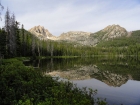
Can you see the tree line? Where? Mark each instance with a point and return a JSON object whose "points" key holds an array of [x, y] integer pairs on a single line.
{"points": [[15, 41]]}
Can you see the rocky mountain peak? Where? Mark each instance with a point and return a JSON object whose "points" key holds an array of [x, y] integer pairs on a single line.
{"points": [[39, 29], [41, 32], [113, 31]]}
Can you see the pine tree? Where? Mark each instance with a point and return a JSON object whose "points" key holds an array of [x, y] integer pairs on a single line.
{"points": [[38, 48], [18, 44], [7, 29], [13, 36], [23, 40], [33, 47], [28, 47]]}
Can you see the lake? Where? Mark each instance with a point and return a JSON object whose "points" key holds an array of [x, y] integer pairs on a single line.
{"points": [[116, 79]]}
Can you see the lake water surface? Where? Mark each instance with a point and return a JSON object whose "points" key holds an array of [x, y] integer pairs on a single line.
{"points": [[116, 79]]}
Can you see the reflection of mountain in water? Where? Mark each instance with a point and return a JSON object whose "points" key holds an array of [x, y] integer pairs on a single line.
{"points": [[92, 71], [111, 79], [79, 74]]}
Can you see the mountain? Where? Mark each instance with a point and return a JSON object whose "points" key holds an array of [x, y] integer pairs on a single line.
{"points": [[92, 39], [41, 33], [110, 32], [82, 38]]}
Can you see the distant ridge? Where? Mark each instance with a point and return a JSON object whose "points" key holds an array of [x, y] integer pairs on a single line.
{"points": [[81, 37]]}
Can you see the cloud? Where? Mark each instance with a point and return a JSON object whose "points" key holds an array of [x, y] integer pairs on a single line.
{"points": [[60, 16]]}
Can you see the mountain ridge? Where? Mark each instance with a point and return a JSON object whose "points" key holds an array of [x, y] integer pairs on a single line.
{"points": [[81, 37]]}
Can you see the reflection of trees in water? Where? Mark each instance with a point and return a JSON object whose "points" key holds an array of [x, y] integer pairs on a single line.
{"points": [[119, 66]]}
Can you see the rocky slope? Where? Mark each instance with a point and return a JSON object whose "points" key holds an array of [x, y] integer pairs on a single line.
{"points": [[42, 33], [113, 31], [75, 36], [110, 32]]}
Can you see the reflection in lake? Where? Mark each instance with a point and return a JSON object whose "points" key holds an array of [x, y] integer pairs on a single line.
{"points": [[116, 79], [87, 72]]}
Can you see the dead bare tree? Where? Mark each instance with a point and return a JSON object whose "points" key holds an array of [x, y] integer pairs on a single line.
{"points": [[1, 8]]}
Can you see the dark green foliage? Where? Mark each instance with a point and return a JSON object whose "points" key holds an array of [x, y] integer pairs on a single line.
{"points": [[2, 43]]}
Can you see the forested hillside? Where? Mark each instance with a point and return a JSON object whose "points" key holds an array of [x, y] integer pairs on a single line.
{"points": [[122, 41]]}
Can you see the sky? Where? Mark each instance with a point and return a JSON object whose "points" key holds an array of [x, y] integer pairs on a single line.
{"points": [[60, 16]]}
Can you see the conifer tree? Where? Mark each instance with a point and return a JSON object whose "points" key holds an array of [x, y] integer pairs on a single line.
{"points": [[28, 47], [18, 44], [13, 36], [33, 47], [23, 40], [7, 29]]}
